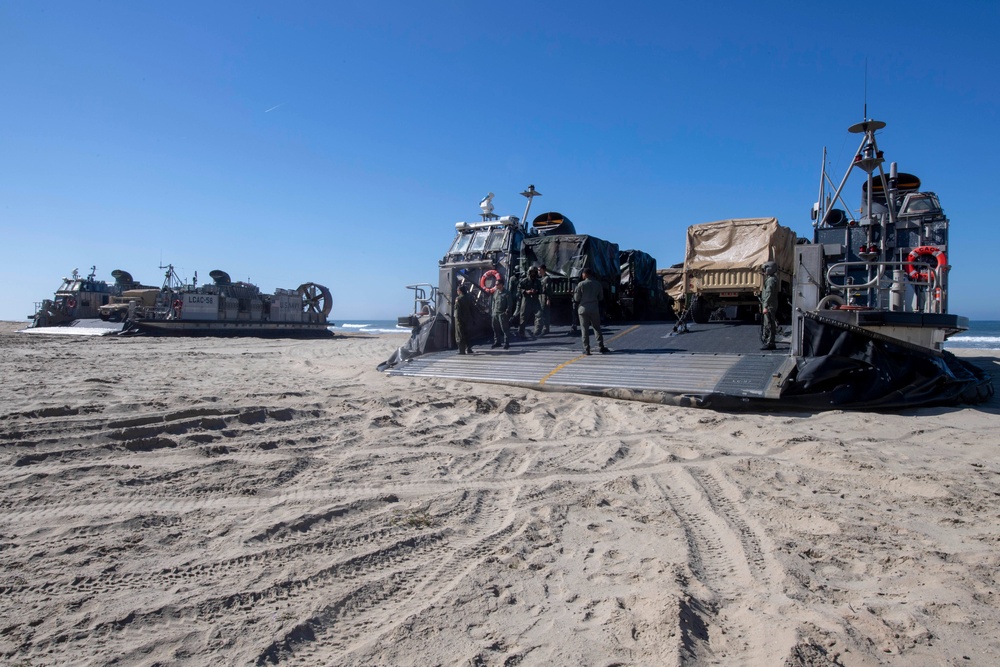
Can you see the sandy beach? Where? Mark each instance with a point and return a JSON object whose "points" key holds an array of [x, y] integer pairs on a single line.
{"points": [[248, 501]]}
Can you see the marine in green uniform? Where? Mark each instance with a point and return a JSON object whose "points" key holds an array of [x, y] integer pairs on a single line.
{"points": [[464, 312], [530, 288], [501, 315], [769, 304], [587, 298], [545, 298]]}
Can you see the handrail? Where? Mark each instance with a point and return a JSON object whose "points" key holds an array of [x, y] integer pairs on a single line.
{"points": [[424, 304], [932, 271], [934, 283]]}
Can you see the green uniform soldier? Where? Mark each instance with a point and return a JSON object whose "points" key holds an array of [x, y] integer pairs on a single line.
{"points": [[769, 304], [464, 313], [530, 288], [545, 298], [501, 315], [587, 298]]}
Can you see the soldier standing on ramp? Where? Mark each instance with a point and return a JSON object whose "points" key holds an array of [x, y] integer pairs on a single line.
{"points": [[463, 319], [587, 298], [501, 315], [545, 298], [530, 288], [769, 304]]}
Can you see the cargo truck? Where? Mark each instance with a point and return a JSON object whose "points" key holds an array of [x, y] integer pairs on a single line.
{"points": [[722, 267]]}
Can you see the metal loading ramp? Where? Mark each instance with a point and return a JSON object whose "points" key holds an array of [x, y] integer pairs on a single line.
{"points": [[647, 364]]}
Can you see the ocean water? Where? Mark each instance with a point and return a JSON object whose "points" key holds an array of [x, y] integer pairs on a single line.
{"points": [[369, 327], [982, 335]]}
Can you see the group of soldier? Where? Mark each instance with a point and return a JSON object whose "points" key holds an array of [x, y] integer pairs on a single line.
{"points": [[531, 303]]}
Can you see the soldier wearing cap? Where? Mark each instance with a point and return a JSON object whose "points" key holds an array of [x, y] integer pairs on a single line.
{"points": [[530, 288], [545, 298], [769, 304], [464, 314], [500, 311], [587, 298]]}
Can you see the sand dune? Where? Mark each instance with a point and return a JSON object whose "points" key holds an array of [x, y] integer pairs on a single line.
{"points": [[244, 501]]}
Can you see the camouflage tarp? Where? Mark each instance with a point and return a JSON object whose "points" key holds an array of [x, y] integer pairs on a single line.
{"points": [[673, 281], [567, 255], [741, 243], [639, 269]]}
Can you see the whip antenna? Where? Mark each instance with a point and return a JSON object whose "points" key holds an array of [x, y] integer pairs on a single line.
{"points": [[866, 89]]}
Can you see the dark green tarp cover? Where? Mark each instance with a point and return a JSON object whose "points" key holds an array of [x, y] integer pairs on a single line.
{"points": [[639, 269], [567, 255]]}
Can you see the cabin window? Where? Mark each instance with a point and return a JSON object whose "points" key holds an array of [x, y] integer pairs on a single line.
{"points": [[479, 240], [461, 243], [921, 204], [496, 240]]}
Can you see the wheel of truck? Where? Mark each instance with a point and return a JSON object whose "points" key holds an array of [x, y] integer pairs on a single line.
{"points": [[746, 313], [784, 308], [699, 310]]}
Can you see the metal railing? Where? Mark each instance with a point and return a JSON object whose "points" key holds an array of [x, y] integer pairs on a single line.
{"points": [[425, 299], [883, 285]]}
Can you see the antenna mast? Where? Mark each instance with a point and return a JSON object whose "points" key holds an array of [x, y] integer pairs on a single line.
{"points": [[529, 193]]}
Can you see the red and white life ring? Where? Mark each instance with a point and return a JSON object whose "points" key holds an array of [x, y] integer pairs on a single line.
{"points": [[71, 302], [491, 287], [920, 254]]}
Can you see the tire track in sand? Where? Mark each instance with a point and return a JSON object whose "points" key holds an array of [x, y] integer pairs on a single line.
{"points": [[731, 572], [367, 613]]}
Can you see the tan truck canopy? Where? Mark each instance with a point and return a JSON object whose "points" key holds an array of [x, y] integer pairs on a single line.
{"points": [[673, 281], [739, 243]]}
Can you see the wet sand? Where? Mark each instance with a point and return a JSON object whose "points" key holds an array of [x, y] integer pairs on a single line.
{"points": [[248, 501]]}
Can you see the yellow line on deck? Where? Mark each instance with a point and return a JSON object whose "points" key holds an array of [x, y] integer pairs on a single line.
{"points": [[622, 333], [577, 358], [559, 368]]}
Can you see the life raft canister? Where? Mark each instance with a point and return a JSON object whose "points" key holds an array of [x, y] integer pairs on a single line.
{"points": [[919, 254], [489, 281]]}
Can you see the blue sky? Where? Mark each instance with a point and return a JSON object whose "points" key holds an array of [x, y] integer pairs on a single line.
{"points": [[339, 142]]}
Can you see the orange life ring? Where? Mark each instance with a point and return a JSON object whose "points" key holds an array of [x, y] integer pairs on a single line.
{"points": [[71, 302], [492, 287], [924, 251]]}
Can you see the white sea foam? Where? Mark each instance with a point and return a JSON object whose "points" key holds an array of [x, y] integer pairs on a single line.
{"points": [[378, 327], [976, 339]]}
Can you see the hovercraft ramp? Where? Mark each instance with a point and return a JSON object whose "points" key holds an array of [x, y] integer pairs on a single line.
{"points": [[87, 327], [648, 362]]}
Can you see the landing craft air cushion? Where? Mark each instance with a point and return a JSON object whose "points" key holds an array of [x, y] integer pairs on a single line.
{"points": [[868, 315], [222, 308]]}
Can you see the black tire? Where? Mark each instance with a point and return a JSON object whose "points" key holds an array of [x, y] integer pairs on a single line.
{"points": [[784, 309], [700, 311]]}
